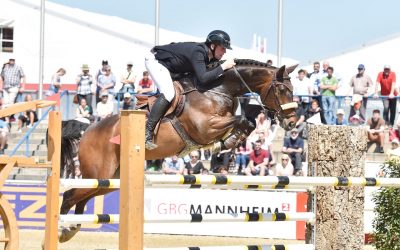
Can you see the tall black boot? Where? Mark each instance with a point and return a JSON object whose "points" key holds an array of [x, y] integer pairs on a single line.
{"points": [[159, 109]]}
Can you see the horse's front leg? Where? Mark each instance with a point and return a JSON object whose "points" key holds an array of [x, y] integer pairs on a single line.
{"points": [[242, 129]]}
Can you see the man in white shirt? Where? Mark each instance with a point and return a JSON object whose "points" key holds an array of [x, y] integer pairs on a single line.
{"points": [[104, 107], [303, 87]]}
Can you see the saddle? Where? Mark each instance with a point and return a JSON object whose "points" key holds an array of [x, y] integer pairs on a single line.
{"points": [[181, 87]]}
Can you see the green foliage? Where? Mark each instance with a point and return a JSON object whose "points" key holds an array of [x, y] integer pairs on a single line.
{"points": [[387, 210]]}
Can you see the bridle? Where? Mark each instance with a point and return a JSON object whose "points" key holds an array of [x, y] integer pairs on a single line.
{"points": [[280, 114]]}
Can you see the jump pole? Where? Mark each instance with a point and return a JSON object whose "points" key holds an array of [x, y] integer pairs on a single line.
{"points": [[53, 181], [132, 184]]}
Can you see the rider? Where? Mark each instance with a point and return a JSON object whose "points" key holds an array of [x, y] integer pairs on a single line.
{"points": [[186, 57]]}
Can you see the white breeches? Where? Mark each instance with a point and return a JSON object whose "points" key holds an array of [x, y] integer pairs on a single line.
{"points": [[161, 77]]}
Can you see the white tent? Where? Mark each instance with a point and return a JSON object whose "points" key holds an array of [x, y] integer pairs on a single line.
{"points": [[74, 37]]}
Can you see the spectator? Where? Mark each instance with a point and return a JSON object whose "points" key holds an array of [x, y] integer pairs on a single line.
{"points": [[84, 110], [100, 72], [376, 127], [394, 151], [106, 82], [13, 82], [128, 103], [285, 167], [303, 87], [266, 144], [205, 171], [29, 118], [194, 166], [55, 84], [269, 63], [259, 159], [362, 85], [387, 81], [104, 107], [294, 147], [355, 120], [223, 171], [262, 124], [356, 104], [84, 82], [128, 79], [315, 112], [315, 78], [146, 85], [173, 165], [395, 133], [220, 159], [242, 153], [329, 85], [340, 120], [300, 115], [4, 132]]}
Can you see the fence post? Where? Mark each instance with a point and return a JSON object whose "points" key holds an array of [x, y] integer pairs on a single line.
{"points": [[132, 180]]}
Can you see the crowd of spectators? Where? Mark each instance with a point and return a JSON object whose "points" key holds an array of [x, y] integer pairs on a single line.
{"points": [[315, 92]]}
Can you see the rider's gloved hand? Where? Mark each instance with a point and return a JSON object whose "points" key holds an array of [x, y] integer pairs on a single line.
{"points": [[229, 63]]}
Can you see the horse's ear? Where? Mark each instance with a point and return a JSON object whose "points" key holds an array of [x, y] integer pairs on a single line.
{"points": [[281, 71], [291, 68]]}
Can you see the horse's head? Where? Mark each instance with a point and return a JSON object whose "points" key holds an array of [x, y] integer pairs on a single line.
{"points": [[278, 98], [272, 84]]}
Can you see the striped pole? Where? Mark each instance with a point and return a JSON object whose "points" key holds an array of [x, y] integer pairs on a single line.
{"points": [[250, 247], [191, 218], [276, 181], [232, 187], [90, 183]]}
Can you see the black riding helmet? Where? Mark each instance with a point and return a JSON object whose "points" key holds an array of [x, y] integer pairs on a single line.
{"points": [[219, 37]]}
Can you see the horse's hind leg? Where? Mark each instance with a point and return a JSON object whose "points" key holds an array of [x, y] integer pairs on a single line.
{"points": [[68, 232], [78, 197]]}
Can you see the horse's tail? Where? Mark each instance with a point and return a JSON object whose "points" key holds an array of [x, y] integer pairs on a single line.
{"points": [[71, 133]]}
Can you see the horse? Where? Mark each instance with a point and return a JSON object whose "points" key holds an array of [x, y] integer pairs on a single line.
{"points": [[207, 116]]}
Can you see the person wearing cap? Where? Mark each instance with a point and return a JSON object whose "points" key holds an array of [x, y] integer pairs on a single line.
{"points": [[128, 103], [13, 82], [361, 84], [355, 120], [387, 82], [128, 79], [104, 107], [186, 57], [294, 147], [375, 129], [84, 83], [340, 120]]}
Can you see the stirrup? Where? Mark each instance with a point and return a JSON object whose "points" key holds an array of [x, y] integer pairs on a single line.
{"points": [[150, 145]]}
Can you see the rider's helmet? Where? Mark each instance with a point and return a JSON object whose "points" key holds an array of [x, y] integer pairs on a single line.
{"points": [[219, 37]]}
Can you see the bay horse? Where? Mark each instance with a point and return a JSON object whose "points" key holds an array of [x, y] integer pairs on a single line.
{"points": [[208, 114]]}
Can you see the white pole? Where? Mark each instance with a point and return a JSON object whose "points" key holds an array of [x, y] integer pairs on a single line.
{"points": [[157, 26], [279, 46], [41, 53]]}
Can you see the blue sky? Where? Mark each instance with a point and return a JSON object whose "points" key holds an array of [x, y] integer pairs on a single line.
{"points": [[312, 29]]}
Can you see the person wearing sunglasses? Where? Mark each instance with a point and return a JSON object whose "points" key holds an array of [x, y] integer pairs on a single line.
{"points": [[284, 167], [194, 166]]}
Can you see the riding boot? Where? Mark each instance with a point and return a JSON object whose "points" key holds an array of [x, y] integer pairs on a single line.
{"points": [[158, 110]]}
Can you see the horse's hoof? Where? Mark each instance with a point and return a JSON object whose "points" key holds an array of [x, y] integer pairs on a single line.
{"points": [[66, 233], [150, 145]]}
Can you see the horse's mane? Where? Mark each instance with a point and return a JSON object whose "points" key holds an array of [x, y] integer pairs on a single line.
{"points": [[241, 62]]}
